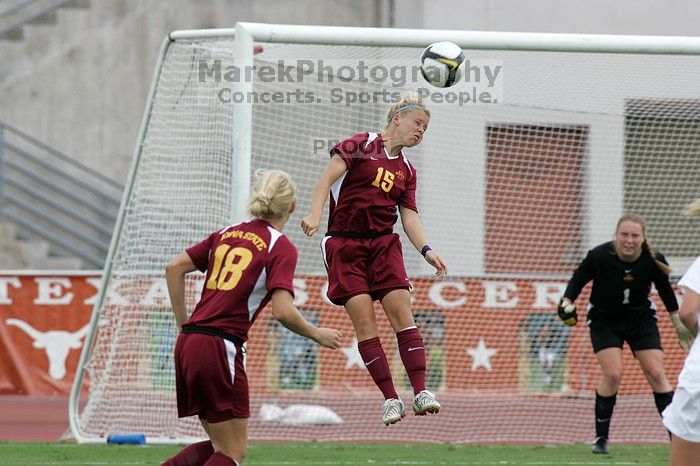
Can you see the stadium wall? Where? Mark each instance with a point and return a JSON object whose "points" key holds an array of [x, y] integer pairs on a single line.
{"points": [[676, 18], [81, 85]]}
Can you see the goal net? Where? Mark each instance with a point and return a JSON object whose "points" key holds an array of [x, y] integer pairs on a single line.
{"points": [[528, 162]]}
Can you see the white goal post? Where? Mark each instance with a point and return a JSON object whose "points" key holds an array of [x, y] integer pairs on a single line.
{"points": [[528, 162]]}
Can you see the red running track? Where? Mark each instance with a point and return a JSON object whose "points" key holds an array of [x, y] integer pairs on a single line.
{"points": [[33, 418], [480, 418]]}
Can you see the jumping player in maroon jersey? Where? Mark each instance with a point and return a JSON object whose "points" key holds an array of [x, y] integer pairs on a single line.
{"points": [[369, 179], [247, 265]]}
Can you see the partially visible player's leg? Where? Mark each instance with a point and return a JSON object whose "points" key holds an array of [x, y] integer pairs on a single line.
{"points": [[607, 346], [360, 308], [230, 440], [646, 344], [219, 459], [610, 360], [348, 266], [390, 285], [361, 311], [652, 364], [195, 454], [684, 453], [397, 306], [377, 365], [603, 414], [188, 403], [662, 400]]}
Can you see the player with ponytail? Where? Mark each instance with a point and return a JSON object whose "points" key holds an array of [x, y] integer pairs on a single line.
{"points": [[247, 265], [371, 180], [620, 311], [682, 417]]}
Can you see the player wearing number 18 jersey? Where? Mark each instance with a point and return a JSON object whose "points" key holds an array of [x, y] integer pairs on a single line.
{"points": [[369, 180], [622, 272], [251, 257], [247, 265]]}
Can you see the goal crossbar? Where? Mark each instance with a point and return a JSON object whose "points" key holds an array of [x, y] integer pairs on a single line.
{"points": [[477, 40]]}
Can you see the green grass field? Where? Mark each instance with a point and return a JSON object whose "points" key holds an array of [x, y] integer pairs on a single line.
{"points": [[29, 454]]}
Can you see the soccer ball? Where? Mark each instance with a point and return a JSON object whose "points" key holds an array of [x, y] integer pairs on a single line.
{"points": [[441, 63]]}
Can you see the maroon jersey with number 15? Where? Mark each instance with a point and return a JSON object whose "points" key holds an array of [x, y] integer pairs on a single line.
{"points": [[365, 198], [244, 263]]}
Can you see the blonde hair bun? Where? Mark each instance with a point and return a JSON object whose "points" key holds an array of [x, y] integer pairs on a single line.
{"points": [[272, 194]]}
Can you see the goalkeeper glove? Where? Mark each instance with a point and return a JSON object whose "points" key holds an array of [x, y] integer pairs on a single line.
{"points": [[567, 312], [685, 336]]}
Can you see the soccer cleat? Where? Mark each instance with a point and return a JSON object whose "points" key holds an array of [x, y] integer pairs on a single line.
{"points": [[600, 445], [425, 402], [393, 411]]}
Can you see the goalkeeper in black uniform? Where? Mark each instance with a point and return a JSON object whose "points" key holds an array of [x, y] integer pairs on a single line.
{"points": [[622, 271]]}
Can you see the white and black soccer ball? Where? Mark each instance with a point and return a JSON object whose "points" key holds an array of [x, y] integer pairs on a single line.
{"points": [[441, 63]]}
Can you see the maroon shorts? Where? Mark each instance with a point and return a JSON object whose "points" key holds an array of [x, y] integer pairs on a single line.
{"points": [[363, 266], [210, 378]]}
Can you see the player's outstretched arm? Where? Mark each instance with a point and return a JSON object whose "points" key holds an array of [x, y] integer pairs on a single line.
{"points": [[414, 230], [175, 272], [334, 169], [688, 311], [685, 320], [283, 309]]}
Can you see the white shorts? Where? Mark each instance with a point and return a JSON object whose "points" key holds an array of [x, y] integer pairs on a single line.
{"points": [[682, 416]]}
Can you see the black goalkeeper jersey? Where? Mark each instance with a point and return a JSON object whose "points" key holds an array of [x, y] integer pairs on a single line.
{"points": [[621, 289]]}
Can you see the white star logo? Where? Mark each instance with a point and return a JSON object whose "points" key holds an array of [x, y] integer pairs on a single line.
{"points": [[481, 355], [353, 355]]}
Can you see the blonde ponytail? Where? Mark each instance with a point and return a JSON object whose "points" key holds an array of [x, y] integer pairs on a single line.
{"points": [[272, 195]]}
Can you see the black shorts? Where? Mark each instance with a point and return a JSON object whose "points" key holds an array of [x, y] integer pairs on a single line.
{"points": [[641, 334]]}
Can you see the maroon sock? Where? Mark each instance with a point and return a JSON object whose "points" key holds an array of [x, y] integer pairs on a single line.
{"points": [[219, 459], [376, 363], [193, 455], [412, 351]]}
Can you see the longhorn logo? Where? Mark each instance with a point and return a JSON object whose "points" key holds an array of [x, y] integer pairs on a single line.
{"points": [[56, 343]]}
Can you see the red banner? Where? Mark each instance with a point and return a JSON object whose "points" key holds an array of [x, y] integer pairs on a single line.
{"points": [[43, 323], [481, 335]]}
